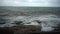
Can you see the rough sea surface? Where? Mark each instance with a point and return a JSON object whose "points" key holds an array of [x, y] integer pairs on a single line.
{"points": [[46, 17]]}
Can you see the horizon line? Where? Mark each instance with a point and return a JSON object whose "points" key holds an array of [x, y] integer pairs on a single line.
{"points": [[29, 6]]}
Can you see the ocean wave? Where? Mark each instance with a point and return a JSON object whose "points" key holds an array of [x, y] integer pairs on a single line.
{"points": [[47, 22]]}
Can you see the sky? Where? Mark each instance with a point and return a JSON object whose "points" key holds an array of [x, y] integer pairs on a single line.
{"points": [[41, 3]]}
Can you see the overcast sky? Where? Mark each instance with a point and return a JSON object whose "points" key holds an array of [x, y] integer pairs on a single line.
{"points": [[43, 3]]}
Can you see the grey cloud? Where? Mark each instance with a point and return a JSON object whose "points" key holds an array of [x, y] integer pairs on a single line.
{"points": [[42, 2]]}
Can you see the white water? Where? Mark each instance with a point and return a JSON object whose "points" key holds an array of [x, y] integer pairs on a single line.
{"points": [[47, 21]]}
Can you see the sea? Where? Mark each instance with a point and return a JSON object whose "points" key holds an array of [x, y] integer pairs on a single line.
{"points": [[46, 17]]}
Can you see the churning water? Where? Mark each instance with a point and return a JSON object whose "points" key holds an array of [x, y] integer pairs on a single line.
{"points": [[48, 17]]}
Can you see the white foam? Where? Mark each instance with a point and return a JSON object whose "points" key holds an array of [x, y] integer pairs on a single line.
{"points": [[47, 21], [47, 29], [32, 23]]}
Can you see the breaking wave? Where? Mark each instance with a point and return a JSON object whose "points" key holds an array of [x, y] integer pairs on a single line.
{"points": [[48, 22]]}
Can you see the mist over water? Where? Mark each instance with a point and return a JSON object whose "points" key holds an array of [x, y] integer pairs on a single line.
{"points": [[49, 19]]}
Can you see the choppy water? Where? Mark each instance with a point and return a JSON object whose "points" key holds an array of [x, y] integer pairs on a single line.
{"points": [[48, 19]]}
